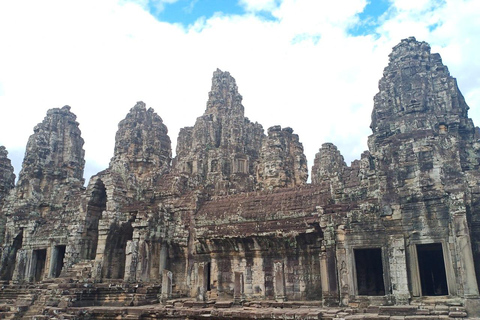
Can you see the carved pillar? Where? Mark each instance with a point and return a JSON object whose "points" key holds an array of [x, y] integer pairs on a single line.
{"points": [[398, 269], [103, 228], [131, 260], [145, 255], [163, 258], [20, 273], [464, 254], [345, 276], [73, 251], [167, 282], [53, 260], [328, 263], [201, 281], [238, 288], [279, 281]]}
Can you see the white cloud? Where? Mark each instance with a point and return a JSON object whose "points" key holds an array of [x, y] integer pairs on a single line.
{"points": [[100, 57], [412, 4], [157, 5], [259, 5]]}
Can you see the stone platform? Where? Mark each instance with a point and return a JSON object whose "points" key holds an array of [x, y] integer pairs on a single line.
{"points": [[109, 301], [185, 309]]}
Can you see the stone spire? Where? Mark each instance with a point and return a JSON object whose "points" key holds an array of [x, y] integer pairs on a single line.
{"points": [[417, 94], [221, 150], [422, 137], [142, 144], [282, 162], [7, 177], [224, 99], [54, 155], [328, 165]]}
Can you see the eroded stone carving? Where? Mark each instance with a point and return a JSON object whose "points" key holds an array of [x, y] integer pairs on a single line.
{"points": [[7, 177], [231, 219], [41, 207], [7, 183], [220, 151], [282, 162]]}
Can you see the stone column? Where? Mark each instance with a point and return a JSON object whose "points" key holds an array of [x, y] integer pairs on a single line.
{"points": [[465, 255], [238, 288], [414, 270], [345, 267], [328, 262], [201, 283], [163, 258], [398, 269], [131, 260], [20, 273], [145, 255], [103, 228], [52, 258], [279, 281], [167, 282]]}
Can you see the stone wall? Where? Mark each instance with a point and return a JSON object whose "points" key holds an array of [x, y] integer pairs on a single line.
{"points": [[45, 200], [232, 216], [7, 177], [7, 183]]}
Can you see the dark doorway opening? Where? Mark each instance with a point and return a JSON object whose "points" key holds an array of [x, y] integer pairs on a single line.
{"points": [[39, 256], [115, 251], [209, 270], [96, 205], [9, 264], [58, 256], [369, 267], [431, 265]]}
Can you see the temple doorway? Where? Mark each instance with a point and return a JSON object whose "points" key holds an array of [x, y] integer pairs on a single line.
{"points": [[115, 251], [369, 272], [9, 264], [96, 205], [39, 259], [431, 265], [57, 260]]}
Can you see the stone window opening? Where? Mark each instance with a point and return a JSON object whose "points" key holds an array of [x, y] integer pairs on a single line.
{"points": [[57, 260], [241, 166], [39, 259], [442, 128], [431, 267], [190, 167], [214, 166], [369, 272]]}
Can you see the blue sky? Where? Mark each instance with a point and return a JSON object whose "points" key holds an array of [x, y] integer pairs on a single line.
{"points": [[370, 17], [187, 12], [311, 65]]}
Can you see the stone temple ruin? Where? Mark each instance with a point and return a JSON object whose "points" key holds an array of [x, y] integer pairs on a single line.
{"points": [[230, 228]]}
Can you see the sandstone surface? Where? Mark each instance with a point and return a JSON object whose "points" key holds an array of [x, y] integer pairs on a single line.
{"points": [[7, 177], [230, 229]]}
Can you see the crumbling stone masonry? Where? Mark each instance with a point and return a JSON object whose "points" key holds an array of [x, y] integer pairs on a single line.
{"points": [[231, 220]]}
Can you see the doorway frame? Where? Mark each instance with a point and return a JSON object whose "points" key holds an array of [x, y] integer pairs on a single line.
{"points": [[414, 267], [353, 275]]}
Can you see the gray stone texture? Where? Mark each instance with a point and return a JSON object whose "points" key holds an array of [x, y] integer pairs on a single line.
{"points": [[7, 177], [231, 219], [7, 183]]}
